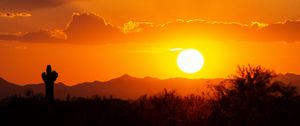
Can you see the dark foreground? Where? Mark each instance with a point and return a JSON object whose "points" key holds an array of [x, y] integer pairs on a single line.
{"points": [[165, 109], [248, 99]]}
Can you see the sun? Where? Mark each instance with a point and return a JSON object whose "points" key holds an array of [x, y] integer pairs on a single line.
{"points": [[190, 61]]}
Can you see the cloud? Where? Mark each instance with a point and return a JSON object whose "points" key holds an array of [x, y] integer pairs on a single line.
{"points": [[85, 28], [283, 31], [35, 37], [12, 14], [132, 26], [89, 28], [256, 31], [27, 5]]}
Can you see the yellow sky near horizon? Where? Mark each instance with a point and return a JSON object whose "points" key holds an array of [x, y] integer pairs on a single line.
{"points": [[79, 63]]}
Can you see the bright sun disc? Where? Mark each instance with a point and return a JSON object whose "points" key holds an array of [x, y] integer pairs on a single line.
{"points": [[190, 61]]}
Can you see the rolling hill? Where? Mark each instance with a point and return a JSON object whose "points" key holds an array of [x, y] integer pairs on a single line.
{"points": [[126, 87]]}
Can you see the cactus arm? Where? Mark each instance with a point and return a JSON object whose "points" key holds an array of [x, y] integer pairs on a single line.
{"points": [[44, 76], [54, 75]]}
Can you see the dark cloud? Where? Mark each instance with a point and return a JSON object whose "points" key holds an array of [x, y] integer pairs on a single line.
{"points": [[37, 37], [27, 5], [284, 31], [84, 28], [88, 28], [288, 31], [91, 28]]}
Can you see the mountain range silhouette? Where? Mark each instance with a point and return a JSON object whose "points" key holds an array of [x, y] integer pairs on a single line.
{"points": [[126, 86]]}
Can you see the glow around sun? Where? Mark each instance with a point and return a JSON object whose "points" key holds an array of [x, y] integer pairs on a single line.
{"points": [[190, 61]]}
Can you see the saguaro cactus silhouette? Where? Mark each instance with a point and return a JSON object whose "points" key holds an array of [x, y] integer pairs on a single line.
{"points": [[49, 78]]}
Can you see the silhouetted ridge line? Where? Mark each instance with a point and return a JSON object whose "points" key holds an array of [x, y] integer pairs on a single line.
{"points": [[3, 81], [135, 87]]}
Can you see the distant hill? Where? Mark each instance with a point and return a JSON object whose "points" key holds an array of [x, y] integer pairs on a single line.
{"points": [[289, 78], [126, 87], [7, 88]]}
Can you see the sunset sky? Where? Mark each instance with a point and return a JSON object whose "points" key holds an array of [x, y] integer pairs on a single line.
{"points": [[87, 40]]}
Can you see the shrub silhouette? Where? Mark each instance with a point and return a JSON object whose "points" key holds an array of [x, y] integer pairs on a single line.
{"points": [[251, 97], [49, 77]]}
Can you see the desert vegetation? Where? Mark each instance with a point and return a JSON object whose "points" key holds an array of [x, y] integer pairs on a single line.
{"points": [[248, 98]]}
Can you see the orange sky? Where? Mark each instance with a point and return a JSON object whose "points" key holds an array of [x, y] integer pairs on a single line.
{"points": [[99, 40]]}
